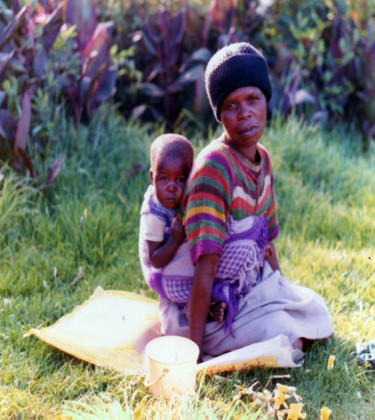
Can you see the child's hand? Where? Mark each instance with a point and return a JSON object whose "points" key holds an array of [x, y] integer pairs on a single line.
{"points": [[177, 230]]}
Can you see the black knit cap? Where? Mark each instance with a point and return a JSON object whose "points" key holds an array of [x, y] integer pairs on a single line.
{"points": [[232, 67]]}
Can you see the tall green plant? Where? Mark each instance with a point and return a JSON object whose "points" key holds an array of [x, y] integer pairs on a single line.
{"points": [[325, 57], [49, 49], [170, 68], [95, 81]]}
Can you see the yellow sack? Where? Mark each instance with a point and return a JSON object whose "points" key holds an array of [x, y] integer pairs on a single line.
{"points": [[110, 329]]}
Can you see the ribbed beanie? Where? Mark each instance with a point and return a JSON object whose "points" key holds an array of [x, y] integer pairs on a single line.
{"points": [[232, 67]]}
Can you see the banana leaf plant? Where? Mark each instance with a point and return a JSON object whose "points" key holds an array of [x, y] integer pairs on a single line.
{"points": [[333, 71], [14, 132], [16, 58], [170, 71], [27, 38], [355, 74], [163, 41], [96, 80], [286, 79], [343, 76]]}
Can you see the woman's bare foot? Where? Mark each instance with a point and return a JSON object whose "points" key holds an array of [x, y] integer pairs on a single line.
{"points": [[217, 312], [298, 344], [304, 343]]}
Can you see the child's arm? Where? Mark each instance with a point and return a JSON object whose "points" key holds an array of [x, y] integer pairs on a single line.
{"points": [[160, 253]]}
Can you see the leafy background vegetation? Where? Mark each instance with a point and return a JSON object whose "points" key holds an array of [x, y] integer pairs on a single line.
{"points": [[84, 90], [67, 57]]}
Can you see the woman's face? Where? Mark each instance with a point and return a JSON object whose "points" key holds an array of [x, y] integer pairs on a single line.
{"points": [[243, 116]]}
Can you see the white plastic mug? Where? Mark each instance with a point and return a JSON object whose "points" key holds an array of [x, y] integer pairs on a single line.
{"points": [[172, 363]]}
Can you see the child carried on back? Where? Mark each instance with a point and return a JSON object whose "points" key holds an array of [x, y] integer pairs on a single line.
{"points": [[161, 231], [171, 161]]}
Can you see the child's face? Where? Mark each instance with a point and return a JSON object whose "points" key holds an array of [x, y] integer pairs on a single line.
{"points": [[243, 116], [169, 179]]}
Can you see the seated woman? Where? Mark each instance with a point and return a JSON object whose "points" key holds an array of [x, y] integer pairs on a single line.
{"points": [[230, 217]]}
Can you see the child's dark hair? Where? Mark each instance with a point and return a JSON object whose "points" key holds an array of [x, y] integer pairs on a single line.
{"points": [[173, 145]]}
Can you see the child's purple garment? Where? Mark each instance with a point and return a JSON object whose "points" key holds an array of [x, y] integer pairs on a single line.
{"points": [[151, 205]]}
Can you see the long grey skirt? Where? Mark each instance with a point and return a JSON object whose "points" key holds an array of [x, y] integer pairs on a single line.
{"points": [[274, 306]]}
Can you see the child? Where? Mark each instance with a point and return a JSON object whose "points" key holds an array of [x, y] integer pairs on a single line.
{"points": [[161, 231], [171, 161]]}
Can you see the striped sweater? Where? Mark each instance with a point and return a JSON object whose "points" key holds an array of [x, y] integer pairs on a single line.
{"points": [[222, 184]]}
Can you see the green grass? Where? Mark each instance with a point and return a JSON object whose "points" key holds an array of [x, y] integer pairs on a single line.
{"points": [[88, 223]]}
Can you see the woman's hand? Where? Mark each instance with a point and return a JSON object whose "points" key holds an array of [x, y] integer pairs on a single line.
{"points": [[200, 298], [272, 257]]}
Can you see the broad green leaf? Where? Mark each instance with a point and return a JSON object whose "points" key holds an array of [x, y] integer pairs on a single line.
{"points": [[52, 27], [150, 89], [12, 27], [7, 125], [53, 171], [23, 126], [82, 14], [189, 76]]}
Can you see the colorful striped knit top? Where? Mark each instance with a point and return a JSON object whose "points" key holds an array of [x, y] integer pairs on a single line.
{"points": [[223, 183]]}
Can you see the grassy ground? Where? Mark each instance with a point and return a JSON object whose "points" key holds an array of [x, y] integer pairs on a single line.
{"points": [[88, 223]]}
